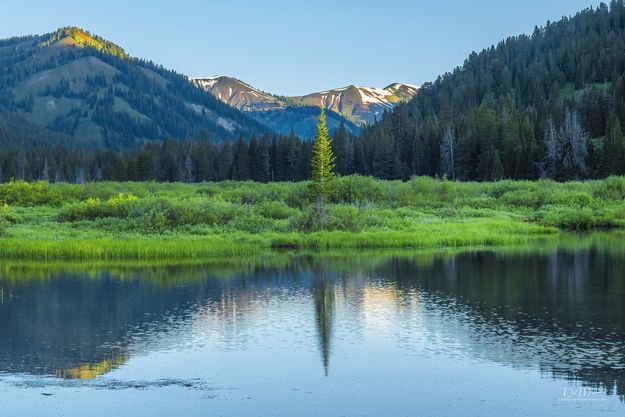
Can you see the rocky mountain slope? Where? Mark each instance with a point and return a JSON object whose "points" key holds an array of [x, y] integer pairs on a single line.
{"points": [[239, 94], [359, 105], [362, 104]]}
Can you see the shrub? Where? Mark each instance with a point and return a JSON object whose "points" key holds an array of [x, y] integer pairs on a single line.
{"points": [[430, 192], [482, 201], [297, 196], [567, 197], [525, 198], [572, 218], [215, 212], [251, 223], [87, 210], [310, 219], [94, 208], [8, 216], [347, 218], [24, 194], [339, 217], [159, 214], [356, 189], [612, 188], [276, 210], [154, 220], [424, 185], [208, 190]]}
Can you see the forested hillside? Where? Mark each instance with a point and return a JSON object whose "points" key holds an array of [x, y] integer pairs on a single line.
{"points": [[551, 104], [84, 87]]}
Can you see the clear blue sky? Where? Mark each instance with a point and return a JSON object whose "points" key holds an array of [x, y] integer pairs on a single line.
{"points": [[294, 47]]}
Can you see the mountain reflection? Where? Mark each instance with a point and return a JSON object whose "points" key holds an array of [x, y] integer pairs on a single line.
{"points": [[92, 370], [557, 308]]}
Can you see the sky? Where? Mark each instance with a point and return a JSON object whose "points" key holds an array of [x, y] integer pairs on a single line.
{"points": [[296, 47]]}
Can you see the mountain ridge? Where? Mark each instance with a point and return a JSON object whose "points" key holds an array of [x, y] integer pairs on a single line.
{"points": [[85, 87], [361, 105]]}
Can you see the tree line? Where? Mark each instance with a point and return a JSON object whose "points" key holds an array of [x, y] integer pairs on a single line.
{"points": [[567, 153], [264, 158]]}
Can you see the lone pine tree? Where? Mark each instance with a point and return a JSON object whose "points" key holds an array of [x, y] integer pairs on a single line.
{"points": [[322, 163]]}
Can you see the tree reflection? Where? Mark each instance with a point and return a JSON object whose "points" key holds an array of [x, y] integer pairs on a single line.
{"points": [[324, 314]]}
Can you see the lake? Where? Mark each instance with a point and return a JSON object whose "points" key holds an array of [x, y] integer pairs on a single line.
{"points": [[536, 330]]}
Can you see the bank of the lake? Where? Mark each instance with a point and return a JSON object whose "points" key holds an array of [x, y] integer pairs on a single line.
{"points": [[110, 220]]}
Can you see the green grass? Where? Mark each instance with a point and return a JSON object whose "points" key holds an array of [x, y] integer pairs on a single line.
{"points": [[154, 221], [167, 272]]}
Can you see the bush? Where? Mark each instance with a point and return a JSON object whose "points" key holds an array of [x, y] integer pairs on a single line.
{"points": [[309, 220], [252, 223], [208, 190], [424, 185], [7, 216], [356, 189], [479, 202], [276, 210], [298, 195], [430, 192], [525, 198], [215, 212], [347, 218], [572, 218], [612, 188], [160, 214], [93, 208], [340, 217], [24, 194], [567, 197]]}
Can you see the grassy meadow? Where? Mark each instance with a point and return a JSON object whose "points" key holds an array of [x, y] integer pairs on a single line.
{"points": [[150, 221]]}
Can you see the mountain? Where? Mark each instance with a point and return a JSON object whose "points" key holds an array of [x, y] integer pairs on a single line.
{"points": [[352, 105], [239, 94], [550, 104], [276, 113], [362, 104], [81, 86]]}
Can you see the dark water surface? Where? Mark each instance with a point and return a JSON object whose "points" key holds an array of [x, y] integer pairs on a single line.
{"points": [[528, 331]]}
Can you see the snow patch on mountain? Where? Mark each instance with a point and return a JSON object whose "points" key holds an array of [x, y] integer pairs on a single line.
{"points": [[357, 103]]}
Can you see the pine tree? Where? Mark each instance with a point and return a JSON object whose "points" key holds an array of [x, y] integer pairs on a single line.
{"points": [[340, 150], [322, 163], [186, 170], [241, 165], [497, 172], [45, 173], [613, 149], [448, 148], [548, 165]]}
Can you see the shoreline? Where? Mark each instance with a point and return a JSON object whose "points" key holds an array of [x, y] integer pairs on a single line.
{"points": [[192, 248]]}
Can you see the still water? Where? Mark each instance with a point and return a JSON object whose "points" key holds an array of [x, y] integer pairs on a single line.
{"points": [[533, 331]]}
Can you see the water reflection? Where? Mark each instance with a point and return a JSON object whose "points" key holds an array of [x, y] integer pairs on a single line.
{"points": [[92, 370], [556, 307], [323, 293]]}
